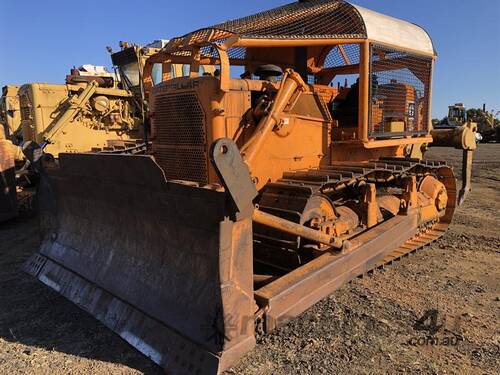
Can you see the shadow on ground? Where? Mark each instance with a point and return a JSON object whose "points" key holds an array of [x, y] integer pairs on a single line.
{"points": [[33, 315]]}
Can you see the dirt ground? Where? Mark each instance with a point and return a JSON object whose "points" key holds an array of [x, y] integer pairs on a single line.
{"points": [[369, 326]]}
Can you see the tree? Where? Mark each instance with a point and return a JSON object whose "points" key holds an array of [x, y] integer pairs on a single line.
{"points": [[483, 119], [436, 121]]}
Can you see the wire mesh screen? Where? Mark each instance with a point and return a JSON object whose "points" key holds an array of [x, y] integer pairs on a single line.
{"points": [[399, 92], [311, 19], [343, 54]]}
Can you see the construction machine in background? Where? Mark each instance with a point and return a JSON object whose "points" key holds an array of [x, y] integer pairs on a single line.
{"points": [[294, 167], [457, 115], [486, 128], [94, 110], [487, 124]]}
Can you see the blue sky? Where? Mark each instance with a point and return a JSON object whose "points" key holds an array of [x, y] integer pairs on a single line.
{"points": [[42, 39]]}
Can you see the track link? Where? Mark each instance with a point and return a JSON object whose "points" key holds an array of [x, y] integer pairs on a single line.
{"points": [[288, 196], [422, 240]]}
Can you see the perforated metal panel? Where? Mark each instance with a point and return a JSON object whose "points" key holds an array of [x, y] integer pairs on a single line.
{"points": [[311, 19], [180, 143], [399, 93], [314, 19]]}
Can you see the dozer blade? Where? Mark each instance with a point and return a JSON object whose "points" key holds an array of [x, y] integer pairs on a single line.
{"points": [[166, 265], [8, 198]]}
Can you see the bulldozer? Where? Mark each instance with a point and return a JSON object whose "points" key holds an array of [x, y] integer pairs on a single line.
{"points": [[457, 115], [94, 110], [487, 124], [293, 167], [484, 122]]}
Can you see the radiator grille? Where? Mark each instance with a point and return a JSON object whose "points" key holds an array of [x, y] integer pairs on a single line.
{"points": [[180, 142]]}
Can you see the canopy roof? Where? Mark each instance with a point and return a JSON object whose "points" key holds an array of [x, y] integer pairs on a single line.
{"points": [[316, 19]]}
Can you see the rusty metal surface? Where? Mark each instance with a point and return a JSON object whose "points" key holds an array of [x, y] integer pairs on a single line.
{"points": [[295, 292], [164, 252], [466, 176], [152, 338], [303, 286], [295, 229], [234, 174]]}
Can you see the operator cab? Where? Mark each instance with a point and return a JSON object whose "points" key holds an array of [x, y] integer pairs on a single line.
{"points": [[127, 62], [457, 115]]}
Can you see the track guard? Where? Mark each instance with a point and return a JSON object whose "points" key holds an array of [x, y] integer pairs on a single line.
{"points": [[159, 262]]}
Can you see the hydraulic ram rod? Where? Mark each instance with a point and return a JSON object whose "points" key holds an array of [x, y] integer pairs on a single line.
{"points": [[234, 175], [290, 83], [293, 228], [76, 104]]}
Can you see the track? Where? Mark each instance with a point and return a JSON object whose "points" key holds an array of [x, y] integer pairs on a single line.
{"points": [[423, 239], [289, 197]]}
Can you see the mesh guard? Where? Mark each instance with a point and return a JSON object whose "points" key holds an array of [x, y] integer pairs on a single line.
{"points": [[315, 19]]}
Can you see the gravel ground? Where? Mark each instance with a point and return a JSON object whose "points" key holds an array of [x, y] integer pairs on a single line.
{"points": [[369, 326]]}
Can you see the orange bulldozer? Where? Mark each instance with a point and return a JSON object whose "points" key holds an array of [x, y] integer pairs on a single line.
{"points": [[293, 166]]}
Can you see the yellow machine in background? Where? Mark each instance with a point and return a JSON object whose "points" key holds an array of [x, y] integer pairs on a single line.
{"points": [[10, 115], [94, 110], [77, 117], [485, 123]]}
